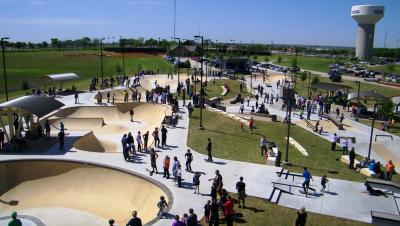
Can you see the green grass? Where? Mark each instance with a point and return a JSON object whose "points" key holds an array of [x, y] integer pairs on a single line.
{"points": [[229, 142], [383, 68], [260, 212], [304, 62], [301, 88], [30, 66], [215, 90]]}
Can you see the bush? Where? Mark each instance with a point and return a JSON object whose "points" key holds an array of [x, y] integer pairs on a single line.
{"points": [[279, 59], [314, 80], [25, 85]]}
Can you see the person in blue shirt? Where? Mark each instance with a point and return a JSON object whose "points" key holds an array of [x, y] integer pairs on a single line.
{"points": [[306, 184]]}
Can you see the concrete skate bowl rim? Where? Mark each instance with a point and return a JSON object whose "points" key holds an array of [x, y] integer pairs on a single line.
{"points": [[109, 167]]}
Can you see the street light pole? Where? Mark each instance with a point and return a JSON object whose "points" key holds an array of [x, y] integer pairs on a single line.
{"points": [[101, 60], [201, 82], [121, 43], [3, 46], [289, 110], [358, 91], [179, 57], [309, 83], [372, 130]]}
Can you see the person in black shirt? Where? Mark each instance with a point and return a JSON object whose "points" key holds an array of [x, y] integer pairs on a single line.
{"points": [[135, 221], [192, 219], [164, 132], [209, 149], [214, 216], [145, 140], [241, 189], [189, 159], [301, 217], [61, 139]]}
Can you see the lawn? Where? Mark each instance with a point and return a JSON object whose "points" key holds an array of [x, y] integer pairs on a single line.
{"points": [[215, 90], [229, 142], [301, 87], [304, 62], [260, 212], [30, 66]]}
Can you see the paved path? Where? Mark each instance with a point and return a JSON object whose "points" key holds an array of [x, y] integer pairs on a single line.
{"points": [[347, 201]]}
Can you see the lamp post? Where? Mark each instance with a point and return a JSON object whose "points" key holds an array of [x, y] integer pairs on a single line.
{"points": [[101, 59], [3, 46], [201, 82], [179, 57], [122, 45], [372, 130], [358, 91], [288, 121], [309, 83]]}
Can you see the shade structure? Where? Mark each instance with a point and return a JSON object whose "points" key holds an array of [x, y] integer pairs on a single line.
{"points": [[62, 77], [371, 95], [37, 105]]}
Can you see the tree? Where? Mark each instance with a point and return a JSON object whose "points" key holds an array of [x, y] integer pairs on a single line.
{"points": [[279, 59], [303, 77], [390, 68], [45, 44], [314, 80], [31, 45], [266, 59], [294, 62], [255, 57], [54, 42], [386, 110]]}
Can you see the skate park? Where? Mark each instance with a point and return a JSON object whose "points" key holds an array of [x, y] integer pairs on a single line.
{"points": [[201, 128]]}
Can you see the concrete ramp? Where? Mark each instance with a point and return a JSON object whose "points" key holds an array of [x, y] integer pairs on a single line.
{"points": [[77, 124], [388, 151], [89, 142]]}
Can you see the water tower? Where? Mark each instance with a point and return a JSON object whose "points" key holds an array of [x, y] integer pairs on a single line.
{"points": [[366, 16]]}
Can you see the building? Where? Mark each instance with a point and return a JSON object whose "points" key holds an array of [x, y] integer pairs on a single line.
{"points": [[187, 48]]}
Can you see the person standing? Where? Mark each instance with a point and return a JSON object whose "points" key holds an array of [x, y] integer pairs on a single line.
{"points": [[145, 140], [139, 141], [179, 175], [125, 151], [166, 166], [192, 218], [301, 217], [214, 213], [228, 211], [189, 159], [14, 220], [134, 221], [345, 146], [62, 127], [156, 137], [306, 184], [164, 132], [241, 108], [333, 142], [2, 140], [61, 136], [209, 150], [263, 143], [177, 222], [47, 128], [352, 157], [241, 189], [131, 113], [389, 170], [251, 124], [196, 182], [76, 96], [108, 95], [153, 160]]}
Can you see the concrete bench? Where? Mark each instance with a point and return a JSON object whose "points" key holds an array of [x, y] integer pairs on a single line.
{"points": [[368, 172], [345, 159], [383, 219], [217, 99], [335, 121], [274, 118]]}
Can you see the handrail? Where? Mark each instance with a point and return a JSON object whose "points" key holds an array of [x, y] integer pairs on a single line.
{"points": [[383, 135]]}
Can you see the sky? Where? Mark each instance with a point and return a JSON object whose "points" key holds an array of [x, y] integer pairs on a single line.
{"points": [[309, 22]]}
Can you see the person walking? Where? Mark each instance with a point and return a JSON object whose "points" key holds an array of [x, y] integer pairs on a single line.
{"points": [[134, 221], [209, 150], [228, 211], [301, 217], [145, 140], [263, 143], [196, 182], [161, 205], [166, 166], [306, 184], [156, 137], [153, 160], [241, 189], [164, 132], [189, 159], [179, 175], [352, 157], [334, 140], [192, 218], [324, 180], [76, 96]]}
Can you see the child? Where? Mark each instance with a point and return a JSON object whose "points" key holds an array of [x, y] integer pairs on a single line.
{"points": [[324, 180], [161, 206], [196, 182], [207, 211]]}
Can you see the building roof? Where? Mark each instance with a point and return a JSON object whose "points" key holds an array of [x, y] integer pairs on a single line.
{"points": [[372, 95], [37, 105], [329, 86], [62, 77]]}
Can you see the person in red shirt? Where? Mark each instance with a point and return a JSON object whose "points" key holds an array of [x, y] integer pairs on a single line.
{"points": [[228, 211], [251, 124]]}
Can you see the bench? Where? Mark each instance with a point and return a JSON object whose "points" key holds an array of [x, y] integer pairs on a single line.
{"points": [[274, 118], [215, 99], [272, 159], [383, 219], [345, 159], [335, 121]]}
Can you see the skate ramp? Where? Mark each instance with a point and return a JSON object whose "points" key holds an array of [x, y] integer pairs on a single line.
{"points": [[107, 124], [388, 151], [162, 80], [61, 193]]}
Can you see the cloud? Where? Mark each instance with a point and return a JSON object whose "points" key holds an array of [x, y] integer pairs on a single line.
{"points": [[53, 22]]}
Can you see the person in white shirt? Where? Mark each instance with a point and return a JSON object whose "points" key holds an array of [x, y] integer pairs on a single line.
{"points": [[263, 144], [333, 142], [345, 146]]}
